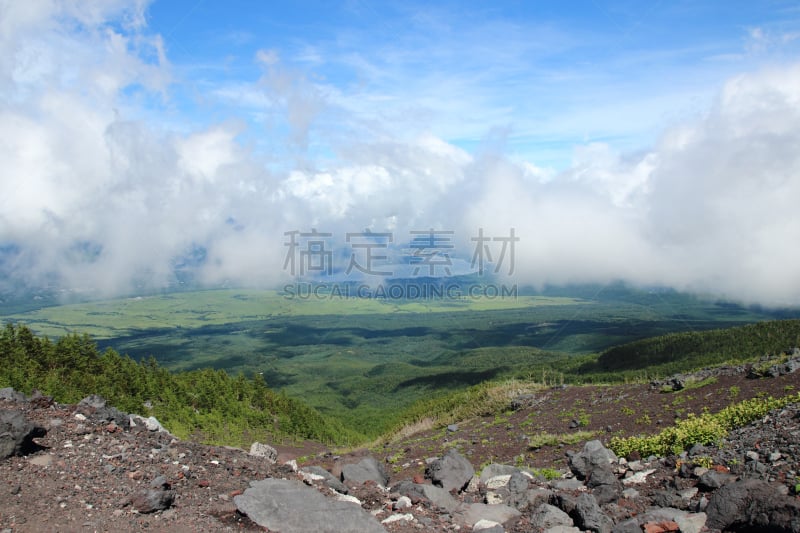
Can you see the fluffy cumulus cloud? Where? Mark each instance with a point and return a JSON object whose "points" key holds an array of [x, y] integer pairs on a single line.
{"points": [[99, 194]]}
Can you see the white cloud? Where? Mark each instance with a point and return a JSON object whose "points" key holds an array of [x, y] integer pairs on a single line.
{"points": [[103, 195]]}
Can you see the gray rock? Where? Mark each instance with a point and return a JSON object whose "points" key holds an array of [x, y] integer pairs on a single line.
{"points": [[452, 471], [152, 500], [436, 495], [495, 469], [17, 434], [488, 526], [752, 504], [538, 496], [566, 484], [593, 456], [95, 407], [452, 428], [546, 516], [519, 482], [688, 522], [604, 484], [289, 506], [628, 526], [368, 469], [697, 449], [403, 502], [258, 449], [11, 395], [160, 482], [607, 493], [469, 514], [523, 400], [328, 479], [667, 498], [562, 529], [587, 515], [151, 423], [712, 480]]}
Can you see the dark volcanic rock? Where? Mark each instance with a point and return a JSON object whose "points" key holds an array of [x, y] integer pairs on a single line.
{"points": [[17, 434], [712, 480], [95, 408], [437, 496], [593, 456], [152, 500], [328, 479], [588, 515], [452, 471], [752, 505], [546, 516], [368, 469]]}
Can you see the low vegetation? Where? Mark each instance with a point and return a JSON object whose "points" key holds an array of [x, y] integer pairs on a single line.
{"points": [[390, 376], [704, 429]]}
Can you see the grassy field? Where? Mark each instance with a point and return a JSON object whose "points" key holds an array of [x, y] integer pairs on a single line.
{"points": [[121, 317], [362, 360]]}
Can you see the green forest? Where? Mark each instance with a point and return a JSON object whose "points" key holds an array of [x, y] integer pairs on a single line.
{"points": [[208, 405], [214, 406]]}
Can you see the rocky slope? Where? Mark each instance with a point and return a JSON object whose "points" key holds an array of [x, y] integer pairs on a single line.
{"points": [[89, 467]]}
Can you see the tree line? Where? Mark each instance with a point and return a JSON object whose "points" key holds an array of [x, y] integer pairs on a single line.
{"points": [[208, 405]]}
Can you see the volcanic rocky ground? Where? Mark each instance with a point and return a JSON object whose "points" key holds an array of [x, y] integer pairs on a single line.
{"points": [[88, 467]]}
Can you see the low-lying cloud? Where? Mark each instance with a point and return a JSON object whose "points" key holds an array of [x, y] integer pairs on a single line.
{"points": [[102, 194]]}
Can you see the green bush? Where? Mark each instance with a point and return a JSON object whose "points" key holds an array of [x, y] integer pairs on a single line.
{"points": [[704, 429]]}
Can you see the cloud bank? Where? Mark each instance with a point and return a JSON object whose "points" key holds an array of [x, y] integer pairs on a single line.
{"points": [[104, 190]]}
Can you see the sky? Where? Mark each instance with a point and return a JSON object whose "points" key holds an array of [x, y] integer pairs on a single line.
{"points": [[653, 143]]}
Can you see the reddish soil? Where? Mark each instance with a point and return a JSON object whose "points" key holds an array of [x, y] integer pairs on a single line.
{"points": [[606, 411]]}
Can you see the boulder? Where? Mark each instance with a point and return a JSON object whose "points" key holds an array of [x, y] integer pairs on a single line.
{"points": [[546, 516], [494, 470], [257, 449], [17, 434], [437, 496], [289, 506], [368, 469], [452, 471], [686, 522], [604, 484], [713, 480], [753, 505], [327, 478], [152, 500], [469, 514], [11, 395], [94, 407], [589, 516], [593, 456]]}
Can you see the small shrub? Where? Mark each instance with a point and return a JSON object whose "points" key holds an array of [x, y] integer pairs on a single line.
{"points": [[546, 473], [704, 461], [703, 429]]}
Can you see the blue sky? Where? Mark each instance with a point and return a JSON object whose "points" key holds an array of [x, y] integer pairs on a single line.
{"points": [[653, 143], [541, 76]]}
